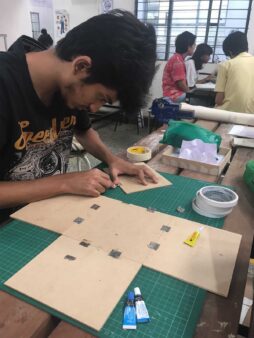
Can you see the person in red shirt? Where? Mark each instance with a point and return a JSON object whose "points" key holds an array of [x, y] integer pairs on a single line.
{"points": [[174, 76]]}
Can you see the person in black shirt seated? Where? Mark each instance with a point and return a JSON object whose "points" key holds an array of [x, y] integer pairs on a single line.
{"points": [[45, 97], [45, 38]]}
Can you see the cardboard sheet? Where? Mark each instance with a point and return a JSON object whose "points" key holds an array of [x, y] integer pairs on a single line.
{"points": [[206, 86], [120, 226], [57, 213], [131, 184], [209, 264], [86, 289], [114, 225]]}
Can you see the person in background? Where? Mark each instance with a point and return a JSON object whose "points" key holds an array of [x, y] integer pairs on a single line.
{"points": [[235, 79], [46, 96], [195, 63], [174, 76], [45, 38]]}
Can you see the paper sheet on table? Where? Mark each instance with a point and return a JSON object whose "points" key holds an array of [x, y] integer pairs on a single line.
{"points": [[242, 131], [197, 150], [208, 85]]}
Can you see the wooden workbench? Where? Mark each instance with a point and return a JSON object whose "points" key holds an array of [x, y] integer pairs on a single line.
{"points": [[220, 316]]}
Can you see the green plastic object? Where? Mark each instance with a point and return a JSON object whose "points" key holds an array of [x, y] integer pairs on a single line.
{"points": [[248, 175], [179, 131]]}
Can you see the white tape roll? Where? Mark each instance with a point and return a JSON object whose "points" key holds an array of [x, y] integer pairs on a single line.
{"points": [[139, 154], [209, 208], [207, 213], [214, 201], [218, 196]]}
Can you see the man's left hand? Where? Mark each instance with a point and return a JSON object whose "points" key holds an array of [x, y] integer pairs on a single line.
{"points": [[119, 167]]}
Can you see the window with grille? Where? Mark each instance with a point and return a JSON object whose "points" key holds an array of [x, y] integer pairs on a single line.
{"points": [[35, 21], [210, 20]]}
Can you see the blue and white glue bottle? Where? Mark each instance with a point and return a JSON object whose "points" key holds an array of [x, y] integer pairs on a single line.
{"points": [[129, 316], [141, 310]]}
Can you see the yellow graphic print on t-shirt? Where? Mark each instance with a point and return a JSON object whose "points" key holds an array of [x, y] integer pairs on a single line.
{"points": [[45, 136]]}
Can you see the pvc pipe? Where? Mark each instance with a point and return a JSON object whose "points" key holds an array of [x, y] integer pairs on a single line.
{"points": [[219, 114]]}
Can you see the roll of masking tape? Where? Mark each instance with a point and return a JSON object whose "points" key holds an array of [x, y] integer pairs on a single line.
{"points": [[139, 154]]}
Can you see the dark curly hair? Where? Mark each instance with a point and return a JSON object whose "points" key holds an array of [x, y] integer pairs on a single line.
{"points": [[202, 49], [123, 53]]}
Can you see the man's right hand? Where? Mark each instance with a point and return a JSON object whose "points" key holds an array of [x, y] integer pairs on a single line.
{"points": [[90, 183]]}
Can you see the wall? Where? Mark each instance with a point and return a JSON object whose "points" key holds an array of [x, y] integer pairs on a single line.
{"points": [[128, 5], [80, 10], [15, 15], [14, 20], [45, 10]]}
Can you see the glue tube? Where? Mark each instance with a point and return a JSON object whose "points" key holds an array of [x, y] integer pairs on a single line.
{"points": [[129, 316], [141, 310], [192, 239]]}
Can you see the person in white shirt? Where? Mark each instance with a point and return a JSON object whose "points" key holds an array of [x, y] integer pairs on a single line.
{"points": [[195, 63]]}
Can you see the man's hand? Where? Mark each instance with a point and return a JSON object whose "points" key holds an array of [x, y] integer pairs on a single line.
{"points": [[90, 183], [118, 167], [219, 99], [210, 78]]}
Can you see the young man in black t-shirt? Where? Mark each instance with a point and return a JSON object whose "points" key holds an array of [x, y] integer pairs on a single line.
{"points": [[45, 96]]}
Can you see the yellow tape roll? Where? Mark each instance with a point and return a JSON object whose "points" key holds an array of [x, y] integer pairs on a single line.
{"points": [[139, 154]]}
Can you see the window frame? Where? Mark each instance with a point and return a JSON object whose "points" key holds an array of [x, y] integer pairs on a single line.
{"points": [[36, 33], [209, 24]]}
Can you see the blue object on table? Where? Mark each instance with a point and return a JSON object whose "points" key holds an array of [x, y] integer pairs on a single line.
{"points": [[129, 317], [163, 110]]}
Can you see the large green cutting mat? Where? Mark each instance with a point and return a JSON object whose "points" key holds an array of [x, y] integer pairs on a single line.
{"points": [[174, 306]]}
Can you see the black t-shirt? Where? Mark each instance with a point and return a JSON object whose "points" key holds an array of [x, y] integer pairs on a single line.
{"points": [[35, 140]]}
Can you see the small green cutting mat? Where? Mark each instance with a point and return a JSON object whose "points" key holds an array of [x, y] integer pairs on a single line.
{"points": [[174, 306], [19, 244]]}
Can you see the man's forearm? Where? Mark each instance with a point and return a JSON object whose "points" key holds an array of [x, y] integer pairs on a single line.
{"points": [[94, 145], [183, 86], [219, 98], [14, 194], [90, 183]]}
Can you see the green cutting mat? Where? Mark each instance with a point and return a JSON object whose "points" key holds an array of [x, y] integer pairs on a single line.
{"points": [[174, 306], [168, 199]]}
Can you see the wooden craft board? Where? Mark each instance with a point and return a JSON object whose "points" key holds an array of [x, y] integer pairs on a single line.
{"points": [[131, 184], [120, 226], [86, 289], [209, 264], [57, 213], [129, 229], [243, 142]]}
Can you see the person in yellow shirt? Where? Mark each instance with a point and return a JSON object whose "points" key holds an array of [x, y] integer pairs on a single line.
{"points": [[235, 80]]}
